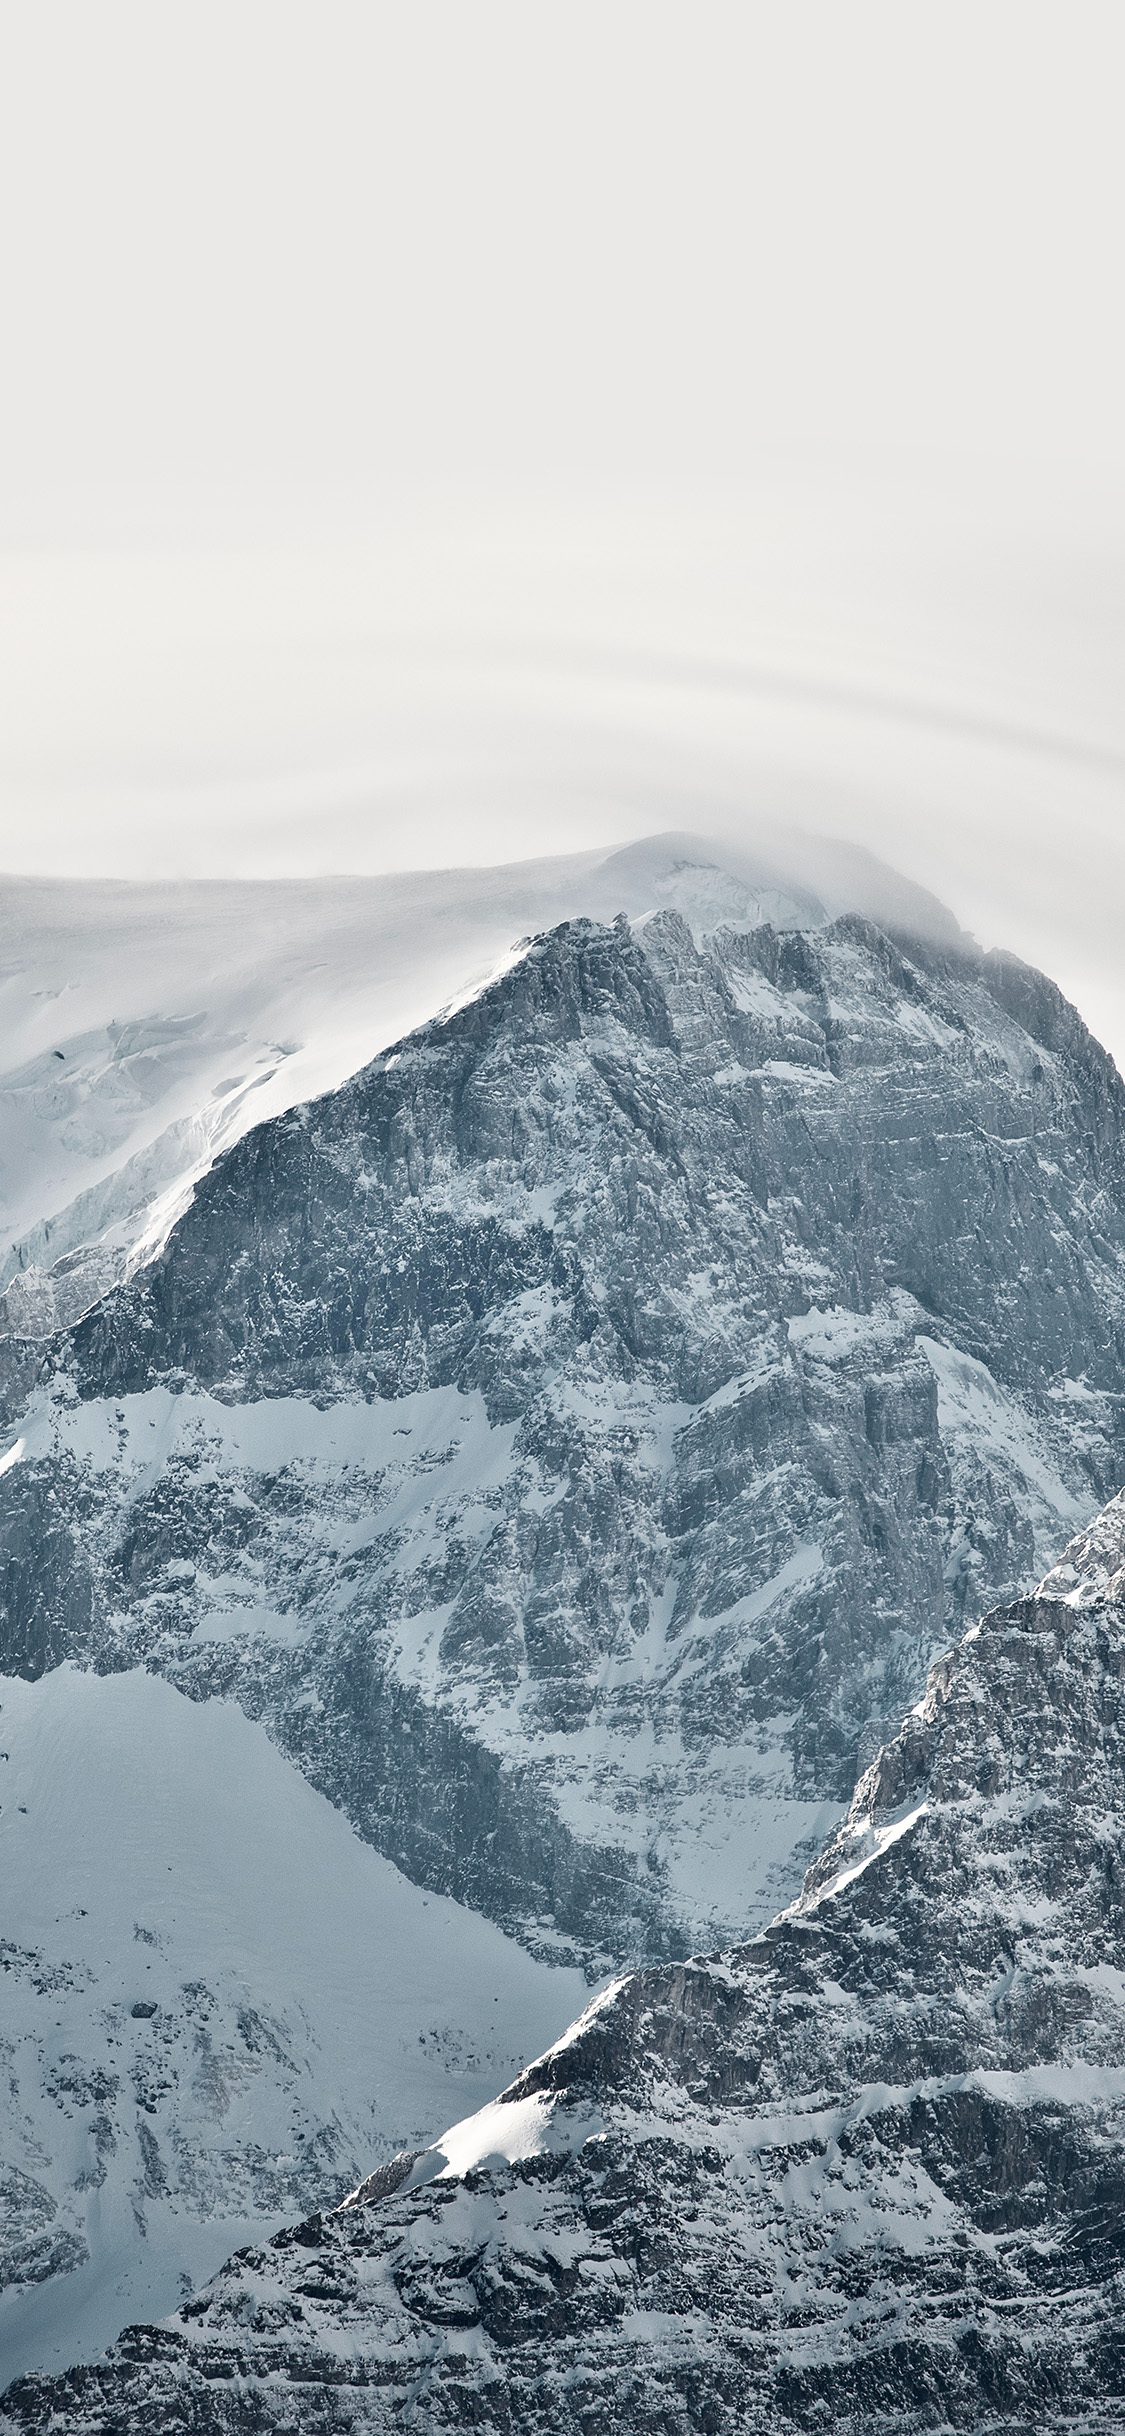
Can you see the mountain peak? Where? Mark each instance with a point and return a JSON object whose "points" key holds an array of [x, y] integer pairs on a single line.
{"points": [[769, 873]]}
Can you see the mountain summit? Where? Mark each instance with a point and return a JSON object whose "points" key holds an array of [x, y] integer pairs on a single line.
{"points": [[148, 1026]]}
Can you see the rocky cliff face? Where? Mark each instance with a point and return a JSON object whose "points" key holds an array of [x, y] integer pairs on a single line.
{"points": [[573, 1437], [865, 2171]]}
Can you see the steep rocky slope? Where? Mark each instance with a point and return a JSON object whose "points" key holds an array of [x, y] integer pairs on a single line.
{"points": [[865, 2172], [573, 1436]]}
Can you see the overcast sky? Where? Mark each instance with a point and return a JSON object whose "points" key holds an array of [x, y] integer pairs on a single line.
{"points": [[442, 432]]}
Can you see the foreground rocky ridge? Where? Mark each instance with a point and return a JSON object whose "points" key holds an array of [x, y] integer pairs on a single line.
{"points": [[573, 1437], [865, 2172]]}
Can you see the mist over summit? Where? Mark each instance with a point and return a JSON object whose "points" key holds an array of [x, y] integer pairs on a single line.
{"points": [[151, 1024]]}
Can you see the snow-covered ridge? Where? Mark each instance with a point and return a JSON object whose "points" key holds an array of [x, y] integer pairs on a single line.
{"points": [[1092, 1568]]}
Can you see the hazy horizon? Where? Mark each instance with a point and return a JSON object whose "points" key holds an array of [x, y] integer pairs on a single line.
{"points": [[434, 441]]}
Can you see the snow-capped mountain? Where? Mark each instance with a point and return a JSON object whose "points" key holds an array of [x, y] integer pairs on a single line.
{"points": [[863, 2171], [146, 1027], [567, 1442]]}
